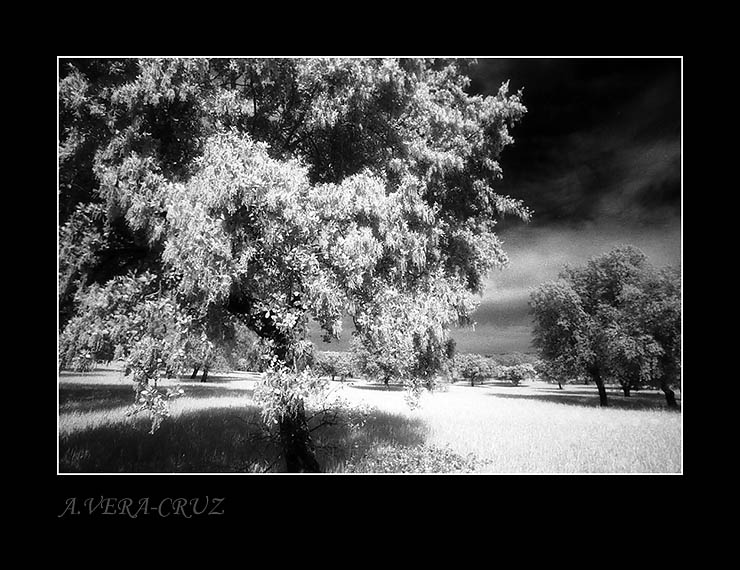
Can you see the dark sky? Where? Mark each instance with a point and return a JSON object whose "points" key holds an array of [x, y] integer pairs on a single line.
{"points": [[598, 158], [601, 137]]}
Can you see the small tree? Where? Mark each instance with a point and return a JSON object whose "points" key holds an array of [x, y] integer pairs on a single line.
{"points": [[476, 367], [333, 364], [517, 373], [201, 353]]}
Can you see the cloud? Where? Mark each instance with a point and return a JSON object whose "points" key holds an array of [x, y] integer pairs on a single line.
{"points": [[604, 173], [645, 184]]}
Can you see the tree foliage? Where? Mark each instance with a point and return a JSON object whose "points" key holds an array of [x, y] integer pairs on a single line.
{"points": [[269, 192]]}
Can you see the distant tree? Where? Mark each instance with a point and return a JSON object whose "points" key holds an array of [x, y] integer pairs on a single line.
{"points": [[274, 191], [334, 364], [517, 373], [476, 367], [546, 373], [242, 352], [615, 318]]}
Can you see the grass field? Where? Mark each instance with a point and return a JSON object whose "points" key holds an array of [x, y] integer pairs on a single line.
{"points": [[493, 428]]}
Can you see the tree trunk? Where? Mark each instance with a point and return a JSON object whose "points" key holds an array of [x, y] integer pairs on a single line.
{"points": [[295, 438], [204, 378], [602, 389], [670, 396], [560, 386], [626, 389], [194, 375], [385, 381]]}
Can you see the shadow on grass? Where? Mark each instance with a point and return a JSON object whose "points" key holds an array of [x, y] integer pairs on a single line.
{"points": [[502, 384], [92, 397], [216, 378], [212, 390], [380, 387], [485, 384], [101, 397], [218, 439], [222, 440], [349, 441], [638, 401]]}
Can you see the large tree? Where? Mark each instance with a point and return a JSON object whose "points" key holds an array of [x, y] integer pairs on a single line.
{"points": [[271, 192], [615, 319]]}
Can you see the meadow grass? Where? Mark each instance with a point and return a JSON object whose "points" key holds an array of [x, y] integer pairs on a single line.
{"points": [[216, 427], [540, 436]]}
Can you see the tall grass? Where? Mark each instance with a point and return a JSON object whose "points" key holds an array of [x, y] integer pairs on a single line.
{"points": [[216, 427]]}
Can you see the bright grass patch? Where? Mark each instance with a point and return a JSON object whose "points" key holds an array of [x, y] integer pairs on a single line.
{"points": [[215, 427], [529, 436]]}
